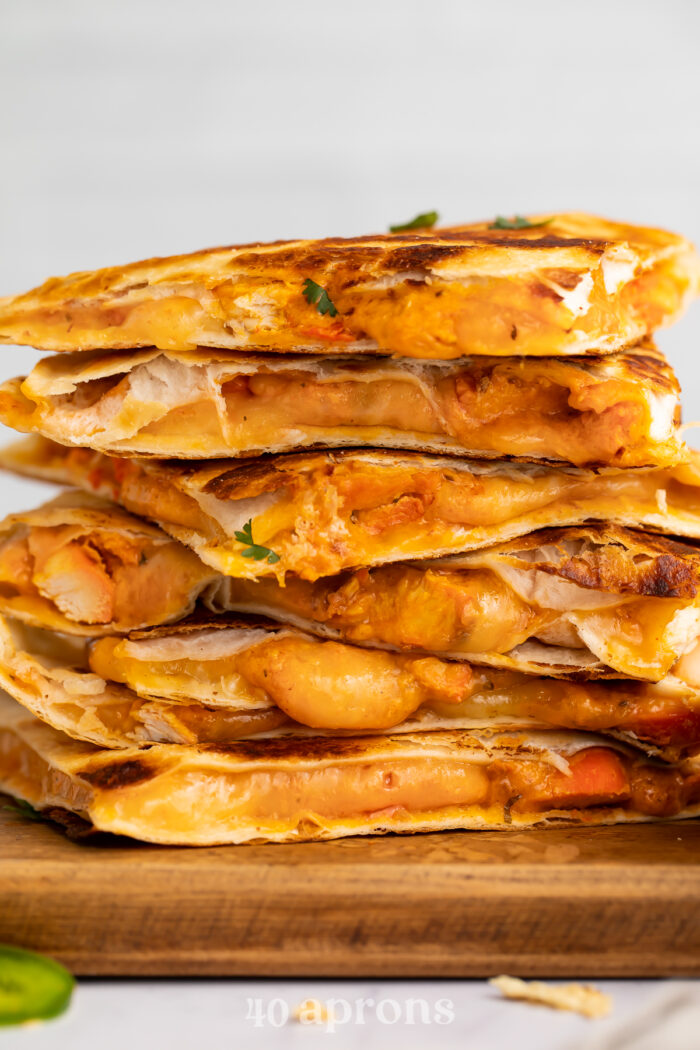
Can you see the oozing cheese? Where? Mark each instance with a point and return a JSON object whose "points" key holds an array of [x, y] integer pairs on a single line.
{"points": [[325, 685], [481, 614], [332, 686]]}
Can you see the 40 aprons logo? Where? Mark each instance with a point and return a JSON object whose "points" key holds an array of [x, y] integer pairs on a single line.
{"points": [[334, 1012]]}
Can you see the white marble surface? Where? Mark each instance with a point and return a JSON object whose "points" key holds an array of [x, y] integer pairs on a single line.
{"points": [[180, 1015], [136, 127]]}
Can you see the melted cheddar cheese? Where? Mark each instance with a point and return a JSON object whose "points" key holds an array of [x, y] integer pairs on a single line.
{"points": [[321, 513], [333, 686]]}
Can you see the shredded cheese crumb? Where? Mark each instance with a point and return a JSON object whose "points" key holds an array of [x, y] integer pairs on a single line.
{"points": [[661, 501], [581, 998], [312, 1011]]}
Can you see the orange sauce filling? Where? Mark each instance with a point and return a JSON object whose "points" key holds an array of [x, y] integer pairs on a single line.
{"points": [[374, 789]]}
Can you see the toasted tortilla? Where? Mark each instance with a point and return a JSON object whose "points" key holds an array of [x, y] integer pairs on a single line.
{"points": [[227, 679], [621, 410], [317, 513], [592, 601], [300, 790], [568, 284], [82, 565]]}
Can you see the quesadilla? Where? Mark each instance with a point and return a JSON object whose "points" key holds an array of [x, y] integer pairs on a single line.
{"points": [[317, 513], [621, 410], [593, 601], [85, 566], [558, 284], [228, 679], [300, 790], [596, 600]]}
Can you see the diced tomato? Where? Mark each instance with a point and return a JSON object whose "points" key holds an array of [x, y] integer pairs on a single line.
{"points": [[333, 333], [597, 776], [95, 478], [119, 469]]}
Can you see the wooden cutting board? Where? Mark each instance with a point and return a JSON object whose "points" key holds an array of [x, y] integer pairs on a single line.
{"points": [[566, 902]]}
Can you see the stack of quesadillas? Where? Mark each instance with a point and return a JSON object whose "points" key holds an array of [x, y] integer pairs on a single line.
{"points": [[395, 533]]}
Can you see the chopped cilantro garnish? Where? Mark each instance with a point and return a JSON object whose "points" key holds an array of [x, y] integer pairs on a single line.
{"points": [[314, 293], [421, 222], [518, 222], [23, 809], [254, 550]]}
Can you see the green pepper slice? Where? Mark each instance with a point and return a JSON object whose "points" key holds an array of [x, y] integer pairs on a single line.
{"points": [[32, 987]]}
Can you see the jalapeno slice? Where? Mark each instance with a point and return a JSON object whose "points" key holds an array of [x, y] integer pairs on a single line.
{"points": [[32, 987]]}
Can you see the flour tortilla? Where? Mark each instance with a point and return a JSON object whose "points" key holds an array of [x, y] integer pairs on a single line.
{"points": [[623, 603], [153, 578]]}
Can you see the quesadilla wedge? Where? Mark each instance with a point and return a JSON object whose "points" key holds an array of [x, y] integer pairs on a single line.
{"points": [[317, 513], [592, 601], [85, 566], [587, 601], [301, 790], [560, 284], [229, 679], [620, 410]]}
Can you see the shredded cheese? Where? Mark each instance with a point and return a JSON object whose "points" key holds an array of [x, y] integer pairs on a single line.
{"points": [[580, 998], [661, 501]]}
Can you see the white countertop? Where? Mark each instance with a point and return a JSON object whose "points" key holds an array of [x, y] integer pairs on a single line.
{"points": [[218, 1014]]}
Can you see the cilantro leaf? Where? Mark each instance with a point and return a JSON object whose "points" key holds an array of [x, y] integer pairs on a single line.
{"points": [[421, 222], [254, 550], [246, 535], [518, 222], [314, 293], [20, 808]]}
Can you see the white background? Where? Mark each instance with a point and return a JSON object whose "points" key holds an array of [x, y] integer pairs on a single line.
{"points": [[133, 128], [136, 128]]}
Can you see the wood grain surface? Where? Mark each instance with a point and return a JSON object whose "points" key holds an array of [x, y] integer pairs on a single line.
{"points": [[567, 902]]}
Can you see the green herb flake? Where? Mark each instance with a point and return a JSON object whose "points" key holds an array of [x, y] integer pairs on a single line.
{"points": [[421, 222], [254, 550], [518, 222], [32, 987], [315, 294], [23, 809]]}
